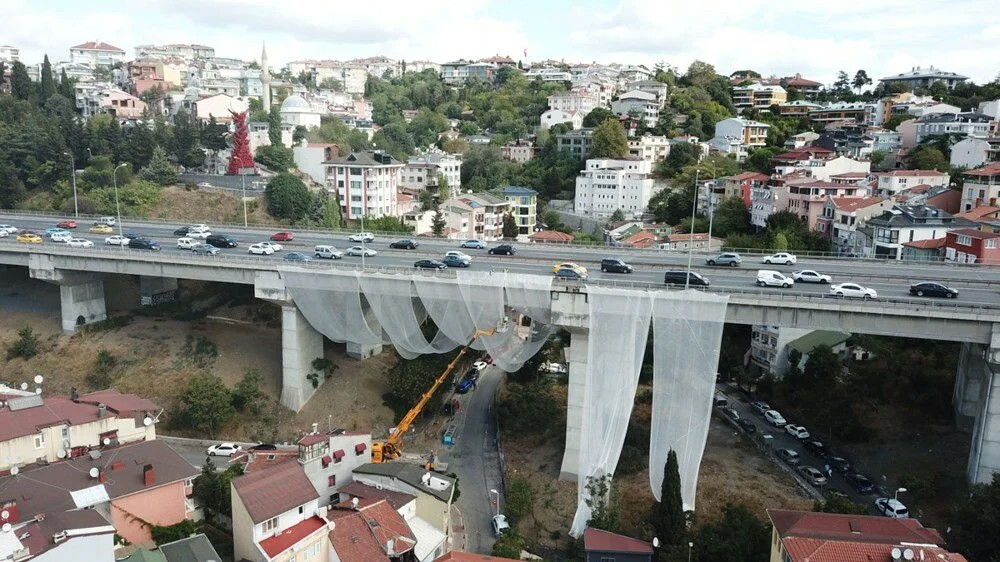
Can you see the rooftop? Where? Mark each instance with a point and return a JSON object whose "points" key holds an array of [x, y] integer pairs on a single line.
{"points": [[550, 236], [930, 244], [441, 488], [518, 190], [358, 490], [911, 173], [274, 490], [851, 204], [280, 542], [917, 72], [810, 341], [366, 158], [21, 417], [459, 556], [991, 169], [369, 532], [974, 233], [979, 213], [860, 528], [749, 176], [603, 541], [196, 548], [98, 46]]}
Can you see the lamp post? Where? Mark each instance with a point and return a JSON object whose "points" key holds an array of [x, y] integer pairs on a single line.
{"points": [[690, 546], [492, 492], [694, 208], [72, 169], [896, 495], [118, 207], [243, 181]]}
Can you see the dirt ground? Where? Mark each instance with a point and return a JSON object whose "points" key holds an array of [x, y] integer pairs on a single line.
{"points": [[208, 206]]}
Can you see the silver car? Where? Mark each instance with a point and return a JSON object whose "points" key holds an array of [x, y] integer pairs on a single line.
{"points": [[725, 258], [205, 249]]}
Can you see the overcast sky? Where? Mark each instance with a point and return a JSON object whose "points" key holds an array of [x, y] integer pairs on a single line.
{"points": [[815, 38]]}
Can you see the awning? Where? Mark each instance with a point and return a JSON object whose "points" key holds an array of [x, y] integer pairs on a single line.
{"points": [[338, 454], [360, 448], [326, 460]]}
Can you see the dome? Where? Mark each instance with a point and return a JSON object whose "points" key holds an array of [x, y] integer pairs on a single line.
{"points": [[295, 104]]}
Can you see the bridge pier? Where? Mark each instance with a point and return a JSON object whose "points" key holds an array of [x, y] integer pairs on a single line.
{"points": [[81, 294], [977, 406], [151, 288], [578, 348]]}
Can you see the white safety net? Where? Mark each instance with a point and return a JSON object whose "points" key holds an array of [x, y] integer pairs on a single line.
{"points": [[687, 335], [444, 303], [394, 301], [619, 323], [331, 302]]}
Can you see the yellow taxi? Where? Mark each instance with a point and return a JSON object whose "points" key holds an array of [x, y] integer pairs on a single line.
{"points": [[571, 265], [102, 229], [29, 237]]}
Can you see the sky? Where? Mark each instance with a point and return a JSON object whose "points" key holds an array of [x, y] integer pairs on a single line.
{"points": [[814, 38]]}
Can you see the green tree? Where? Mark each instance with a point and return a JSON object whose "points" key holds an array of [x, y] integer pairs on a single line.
{"points": [[395, 140], [66, 86], [12, 190], [287, 197], [213, 135], [46, 85], [780, 242], [185, 140], [20, 84], [759, 159], [609, 141], [247, 394], [861, 80], [605, 513], [843, 83], [438, 223], [274, 126], [207, 404], [927, 157], [823, 365], [878, 156], [617, 216], [275, 157], [509, 229], [680, 156], [332, 217], [668, 514], [509, 546], [974, 531], [731, 217], [26, 345], [444, 188], [527, 409], [835, 503], [597, 116], [331, 84], [519, 500], [738, 536], [159, 171]]}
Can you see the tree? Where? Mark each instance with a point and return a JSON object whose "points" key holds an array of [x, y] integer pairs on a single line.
{"points": [[444, 189], [861, 80], [759, 159], [159, 170], [438, 223], [835, 503], [597, 116], [186, 142], [617, 216], [12, 190], [274, 126], [731, 217], [287, 197], [46, 85], [509, 227], [738, 537], [518, 503], [976, 521], [605, 514], [207, 404], [668, 514], [395, 140], [331, 84], [609, 141], [843, 83], [20, 84], [213, 135], [247, 394], [823, 365], [877, 156], [927, 157], [509, 546], [276, 157]]}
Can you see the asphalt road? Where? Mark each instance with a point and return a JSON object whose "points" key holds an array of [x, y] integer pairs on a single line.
{"points": [[977, 285]]}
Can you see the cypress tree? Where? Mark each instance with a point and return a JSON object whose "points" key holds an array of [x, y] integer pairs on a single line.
{"points": [[668, 514], [65, 88], [46, 86], [274, 127], [20, 83]]}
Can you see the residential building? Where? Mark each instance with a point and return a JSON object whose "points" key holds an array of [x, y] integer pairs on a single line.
{"points": [[983, 215], [365, 183], [907, 133], [180, 50], [971, 152], [310, 156], [550, 237], [638, 102], [96, 53], [769, 347], [808, 88], [370, 531], [698, 241], [910, 223], [649, 147], [483, 71], [434, 491], [890, 183], [843, 216], [9, 54], [195, 548], [758, 97], [576, 142], [801, 140], [981, 187], [83, 536], [430, 542], [218, 106], [37, 429], [930, 250], [765, 200], [888, 141], [944, 198], [808, 198], [818, 163], [806, 536], [548, 75], [423, 171], [968, 124], [602, 546], [655, 87], [457, 216], [738, 136], [122, 106], [806, 343], [573, 100], [519, 150], [523, 205], [840, 111], [918, 78], [88, 96], [742, 185], [379, 66], [556, 116], [606, 185], [298, 112], [970, 245], [852, 178], [798, 108], [459, 556], [328, 458], [487, 214]]}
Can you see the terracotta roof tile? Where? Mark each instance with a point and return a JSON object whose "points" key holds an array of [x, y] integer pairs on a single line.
{"points": [[860, 528], [603, 541], [364, 491], [801, 549], [459, 556], [974, 233], [97, 46], [550, 236], [364, 534], [749, 176], [851, 204], [978, 213], [312, 439], [991, 169], [274, 490], [276, 544]]}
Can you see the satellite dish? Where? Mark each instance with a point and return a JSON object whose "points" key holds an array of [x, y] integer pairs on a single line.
{"points": [[656, 542], [24, 386], [4, 514], [106, 441], [147, 421], [14, 470], [908, 554], [6, 527], [61, 453], [94, 472], [38, 379], [896, 553], [38, 390]]}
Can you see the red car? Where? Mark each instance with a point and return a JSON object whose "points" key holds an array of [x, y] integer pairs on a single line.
{"points": [[282, 237], [488, 360], [69, 223]]}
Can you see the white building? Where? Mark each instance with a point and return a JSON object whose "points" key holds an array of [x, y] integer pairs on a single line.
{"points": [[328, 459], [649, 147], [968, 124], [218, 106], [765, 200], [96, 53], [891, 183], [556, 116], [911, 223], [769, 346], [298, 112], [607, 185], [365, 183], [758, 96], [423, 170], [180, 50], [574, 100], [990, 108], [981, 187], [9, 54], [655, 87], [923, 78], [970, 153], [548, 75], [738, 136], [638, 102]]}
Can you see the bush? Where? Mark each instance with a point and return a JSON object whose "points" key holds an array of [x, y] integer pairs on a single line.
{"points": [[509, 545], [518, 500], [527, 409], [109, 323], [190, 186], [247, 393], [135, 198], [275, 158], [103, 374], [26, 345], [287, 197], [171, 533], [201, 350]]}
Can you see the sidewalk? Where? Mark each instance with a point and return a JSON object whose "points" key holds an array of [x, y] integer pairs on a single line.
{"points": [[457, 529]]}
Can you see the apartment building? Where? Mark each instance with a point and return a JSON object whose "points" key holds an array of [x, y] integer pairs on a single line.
{"points": [[797, 108], [918, 78], [122, 106], [607, 185], [981, 187], [434, 491], [488, 211], [523, 205], [910, 223], [556, 116], [968, 124], [96, 53], [9, 54], [742, 185], [365, 183], [423, 171], [649, 147], [738, 136], [843, 216], [328, 458], [638, 102], [769, 347], [519, 150], [841, 111], [891, 183], [577, 142], [807, 199], [655, 87], [765, 200], [180, 50], [758, 97], [573, 100], [970, 245]]}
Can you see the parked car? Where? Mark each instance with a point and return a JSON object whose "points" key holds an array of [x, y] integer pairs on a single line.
{"points": [[789, 456], [731, 413], [692, 278], [891, 507], [853, 290], [259, 249], [205, 250], [571, 273], [273, 245], [9, 229], [359, 251], [813, 475], [503, 249], [327, 252], [79, 243], [223, 449], [860, 482], [283, 236], [473, 243], [68, 223], [811, 276], [144, 244], [500, 525], [116, 240], [840, 464], [465, 386], [4, 233], [222, 241], [297, 256], [63, 236], [51, 231], [101, 229], [454, 261], [404, 244], [760, 407], [771, 278], [815, 447], [781, 257], [747, 425], [932, 289], [774, 418], [480, 366], [365, 237], [725, 258], [615, 265], [797, 431], [430, 264], [720, 400], [187, 243], [29, 237]]}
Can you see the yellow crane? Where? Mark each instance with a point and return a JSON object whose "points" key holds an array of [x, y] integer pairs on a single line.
{"points": [[391, 448]]}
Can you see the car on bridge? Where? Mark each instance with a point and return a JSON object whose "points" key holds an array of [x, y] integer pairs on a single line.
{"points": [[101, 229], [815, 447], [797, 431], [571, 273], [223, 450], [615, 265], [725, 258], [853, 290], [63, 236], [404, 244], [860, 482], [8, 229], [362, 237], [144, 244], [283, 236], [430, 264], [770, 278], [29, 237], [199, 231], [222, 241], [789, 456], [116, 240], [811, 276], [891, 507], [781, 257], [774, 418], [68, 223], [297, 256], [273, 245], [459, 255], [474, 244], [502, 250], [932, 289], [455, 261], [187, 243], [363, 252], [260, 249], [79, 243], [205, 250], [692, 278], [182, 231], [327, 252], [813, 475], [49, 232], [106, 221], [569, 264]]}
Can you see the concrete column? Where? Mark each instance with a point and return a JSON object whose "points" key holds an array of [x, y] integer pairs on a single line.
{"points": [[82, 303], [361, 351], [969, 386], [300, 345], [578, 348], [150, 287]]}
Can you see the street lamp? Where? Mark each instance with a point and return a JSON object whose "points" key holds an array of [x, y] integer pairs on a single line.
{"points": [[690, 546], [118, 207], [694, 207], [72, 169], [896, 495], [493, 491]]}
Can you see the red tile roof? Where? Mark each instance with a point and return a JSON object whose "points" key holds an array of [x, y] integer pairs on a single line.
{"points": [[274, 490], [97, 46], [686, 237], [973, 233], [459, 556], [818, 550], [276, 544], [911, 173], [312, 439], [749, 176], [803, 153], [851, 175], [550, 236], [59, 410], [124, 404], [859, 528], [991, 169], [978, 213], [799, 81], [931, 244], [364, 491], [364, 534], [851, 204], [603, 541], [642, 239], [254, 461]]}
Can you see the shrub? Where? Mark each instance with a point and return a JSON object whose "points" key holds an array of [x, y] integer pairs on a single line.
{"points": [[201, 350], [109, 323], [527, 409], [171, 533], [287, 197], [509, 545], [247, 393], [26, 345], [518, 500], [103, 374]]}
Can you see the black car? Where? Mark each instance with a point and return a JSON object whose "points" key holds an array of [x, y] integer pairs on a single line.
{"points": [[132, 235], [455, 261], [297, 256], [932, 289], [503, 249], [746, 425], [221, 241], [404, 245], [840, 464], [264, 447], [615, 265], [429, 264], [182, 231], [143, 244], [860, 482], [570, 273], [816, 447], [679, 277]]}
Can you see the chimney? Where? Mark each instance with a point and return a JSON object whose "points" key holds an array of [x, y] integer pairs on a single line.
{"points": [[102, 476], [315, 428], [101, 410], [117, 465], [147, 475], [74, 395]]}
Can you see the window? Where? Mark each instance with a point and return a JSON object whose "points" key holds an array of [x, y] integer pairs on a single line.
{"points": [[40, 440], [991, 243], [964, 240], [312, 550], [65, 433], [269, 525], [331, 481]]}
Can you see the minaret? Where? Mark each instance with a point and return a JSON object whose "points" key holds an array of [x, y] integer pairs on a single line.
{"points": [[265, 78]]}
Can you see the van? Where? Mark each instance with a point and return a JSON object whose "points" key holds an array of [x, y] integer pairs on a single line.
{"points": [[106, 221], [328, 252], [720, 400], [680, 277], [770, 278]]}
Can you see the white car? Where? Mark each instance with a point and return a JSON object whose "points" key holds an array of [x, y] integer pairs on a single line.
{"points": [[204, 184], [199, 231], [891, 507], [273, 245], [62, 236], [362, 237], [460, 255], [358, 251], [480, 366], [116, 240], [260, 249], [781, 257], [797, 431], [223, 450], [8, 229], [500, 525], [853, 290], [770, 278], [774, 418], [810, 276], [187, 243], [79, 243]]}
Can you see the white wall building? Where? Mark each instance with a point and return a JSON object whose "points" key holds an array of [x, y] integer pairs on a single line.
{"points": [[968, 124], [9, 53], [423, 170], [970, 153], [769, 346], [638, 102], [649, 147], [96, 53], [365, 182], [891, 183], [556, 116], [736, 135], [573, 101], [298, 112], [606, 185]]}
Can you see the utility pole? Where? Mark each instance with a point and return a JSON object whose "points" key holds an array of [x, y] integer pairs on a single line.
{"points": [[694, 207], [72, 169], [118, 207]]}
